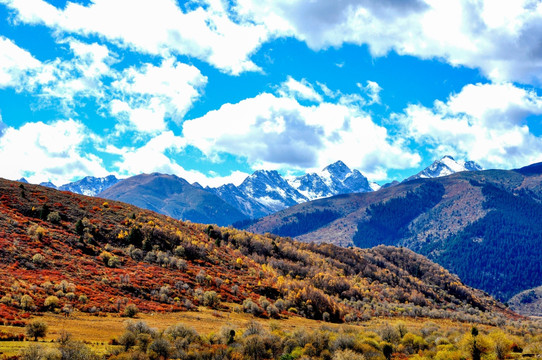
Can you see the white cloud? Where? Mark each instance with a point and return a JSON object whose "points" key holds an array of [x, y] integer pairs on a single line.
{"points": [[15, 63], [48, 152], [60, 79], [142, 96], [500, 38], [487, 123], [81, 76], [152, 93], [149, 118], [156, 27], [278, 132], [151, 157], [154, 156], [301, 90]]}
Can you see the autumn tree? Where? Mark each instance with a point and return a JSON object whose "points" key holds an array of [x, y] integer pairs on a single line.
{"points": [[36, 329], [131, 310], [27, 303]]}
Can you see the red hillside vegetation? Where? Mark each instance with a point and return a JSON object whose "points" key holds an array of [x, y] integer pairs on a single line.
{"points": [[61, 251]]}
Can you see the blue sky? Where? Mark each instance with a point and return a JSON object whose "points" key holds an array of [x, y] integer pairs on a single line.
{"points": [[213, 90]]}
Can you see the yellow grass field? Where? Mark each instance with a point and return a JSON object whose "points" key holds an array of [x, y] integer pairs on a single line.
{"points": [[98, 331]]}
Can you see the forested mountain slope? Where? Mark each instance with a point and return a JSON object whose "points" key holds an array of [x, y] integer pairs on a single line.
{"points": [[480, 224]]}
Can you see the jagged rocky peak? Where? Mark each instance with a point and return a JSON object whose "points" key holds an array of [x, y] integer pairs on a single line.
{"points": [[334, 179], [338, 169], [271, 190]]}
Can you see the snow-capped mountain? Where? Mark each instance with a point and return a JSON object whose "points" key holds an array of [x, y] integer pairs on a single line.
{"points": [[90, 185], [445, 166], [270, 190], [311, 186], [265, 192], [334, 179]]}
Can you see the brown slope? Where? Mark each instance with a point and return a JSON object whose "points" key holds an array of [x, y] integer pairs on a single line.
{"points": [[98, 255]]}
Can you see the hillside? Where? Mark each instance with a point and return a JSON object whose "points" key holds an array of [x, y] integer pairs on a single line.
{"points": [[173, 196], [59, 250], [454, 220]]}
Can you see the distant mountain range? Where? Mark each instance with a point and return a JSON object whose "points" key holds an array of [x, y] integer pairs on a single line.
{"points": [[88, 185], [334, 179], [481, 225], [260, 194], [265, 192]]}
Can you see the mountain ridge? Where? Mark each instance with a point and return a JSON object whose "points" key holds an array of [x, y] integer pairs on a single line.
{"points": [[449, 219], [260, 194], [173, 196]]}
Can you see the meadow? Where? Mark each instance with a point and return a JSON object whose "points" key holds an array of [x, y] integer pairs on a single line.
{"points": [[294, 337]]}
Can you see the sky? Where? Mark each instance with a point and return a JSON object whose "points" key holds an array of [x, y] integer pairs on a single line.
{"points": [[212, 90]]}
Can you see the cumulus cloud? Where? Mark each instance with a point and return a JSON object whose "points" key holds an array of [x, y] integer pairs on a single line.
{"points": [[80, 77], [277, 132], [48, 152], [154, 156], [372, 90], [488, 123], [500, 38], [61, 80], [155, 27], [141, 97], [15, 63], [152, 93]]}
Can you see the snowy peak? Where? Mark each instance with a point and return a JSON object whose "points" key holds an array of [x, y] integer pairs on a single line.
{"points": [[48, 184], [311, 186], [472, 166], [271, 190], [266, 191], [334, 179], [235, 197], [337, 170], [90, 185], [445, 166]]}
